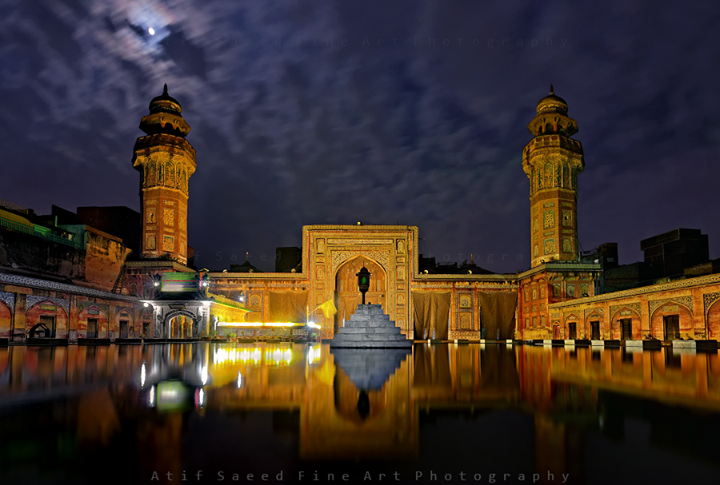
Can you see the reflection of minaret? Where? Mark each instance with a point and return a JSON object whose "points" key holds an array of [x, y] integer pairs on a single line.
{"points": [[552, 161], [559, 448], [159, 446], [165, 161]]}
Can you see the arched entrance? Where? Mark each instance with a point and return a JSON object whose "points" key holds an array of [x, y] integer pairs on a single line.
{"points": [[6, 321], [713, 321], [671, 321], [180, 324], [626, 325], [347, 295]]}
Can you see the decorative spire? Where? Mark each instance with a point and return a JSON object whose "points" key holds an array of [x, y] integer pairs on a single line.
{"points": [[166, 93], [471, 259], [552, 91]]}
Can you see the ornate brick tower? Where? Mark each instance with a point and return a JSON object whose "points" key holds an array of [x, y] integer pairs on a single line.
{"points": [[552, 161], [165, 161]]}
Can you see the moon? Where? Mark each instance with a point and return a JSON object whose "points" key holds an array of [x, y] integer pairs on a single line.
{"points": [[151, 31]]}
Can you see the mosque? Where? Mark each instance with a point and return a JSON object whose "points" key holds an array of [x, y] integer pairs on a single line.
{"points": [[105, 273]]}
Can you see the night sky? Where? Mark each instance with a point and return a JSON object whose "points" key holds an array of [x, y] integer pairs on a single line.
{"points": [[338, 111]]}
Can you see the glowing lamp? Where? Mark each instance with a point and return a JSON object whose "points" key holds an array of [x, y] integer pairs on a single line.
{"points": [[363, 282]]}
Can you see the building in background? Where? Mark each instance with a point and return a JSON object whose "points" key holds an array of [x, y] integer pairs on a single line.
{"points": [[99, 272]]}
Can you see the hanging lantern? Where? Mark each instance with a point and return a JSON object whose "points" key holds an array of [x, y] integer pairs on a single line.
{"points": [[363, 282]]}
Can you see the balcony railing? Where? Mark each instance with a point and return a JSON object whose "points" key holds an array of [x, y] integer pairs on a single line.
{"points": [[14, 207], [31, 230]]}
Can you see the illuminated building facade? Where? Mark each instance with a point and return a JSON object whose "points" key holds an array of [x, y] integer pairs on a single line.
{"points": [[557, 298]]}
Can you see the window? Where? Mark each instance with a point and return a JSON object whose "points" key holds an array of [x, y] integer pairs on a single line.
{"points": [[571, 291]]}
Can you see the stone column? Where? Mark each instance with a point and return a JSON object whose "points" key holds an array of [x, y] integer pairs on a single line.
{"points": [[644, 317], [699, 323], [19, 315], [73, 319], [111, 334], [157, 323]]}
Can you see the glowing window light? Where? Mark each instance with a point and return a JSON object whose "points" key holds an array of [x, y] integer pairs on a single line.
{"points": [[204, 375], [278, 356], [260, 324], [231, 356], [313, 354]]}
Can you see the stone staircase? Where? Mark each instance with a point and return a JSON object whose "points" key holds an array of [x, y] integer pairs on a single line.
{"points": [[369, 327]]}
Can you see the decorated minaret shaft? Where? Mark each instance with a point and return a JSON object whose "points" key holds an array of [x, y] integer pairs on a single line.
{"points": [[165, 160], [552, 161]]}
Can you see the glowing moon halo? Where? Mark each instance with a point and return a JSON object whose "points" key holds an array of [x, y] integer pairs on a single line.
{"points": [[151, 31]]}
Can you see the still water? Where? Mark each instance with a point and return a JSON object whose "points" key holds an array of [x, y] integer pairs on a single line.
{"points": [[288, 413]]}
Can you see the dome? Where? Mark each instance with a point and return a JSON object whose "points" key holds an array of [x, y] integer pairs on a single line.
{"points": [[165, 103], [552, 104]]}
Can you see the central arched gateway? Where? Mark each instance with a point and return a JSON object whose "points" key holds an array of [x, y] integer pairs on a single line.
{"points": [[347, 295], [181, 324]]}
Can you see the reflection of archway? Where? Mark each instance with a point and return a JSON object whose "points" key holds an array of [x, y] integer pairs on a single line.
{"points": [[180, 324], [347, 295]]}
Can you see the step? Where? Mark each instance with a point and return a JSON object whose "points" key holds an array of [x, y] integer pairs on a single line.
{"points": [[358, 337], [373, 344], [93, 341], [368, 318], [46, 341], [369, 330]]}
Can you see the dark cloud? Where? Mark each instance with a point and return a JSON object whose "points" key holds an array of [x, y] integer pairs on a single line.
{"points": [[332, 112]]}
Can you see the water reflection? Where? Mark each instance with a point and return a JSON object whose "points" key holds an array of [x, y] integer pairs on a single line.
{"points": [[70, 412]]}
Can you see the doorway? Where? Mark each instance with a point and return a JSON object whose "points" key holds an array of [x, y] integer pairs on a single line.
{"points": [[572, 330], [48, 321], [123, 329], [347, 295], [92, 328], [595, 329], [671, 325], [626, 326]]}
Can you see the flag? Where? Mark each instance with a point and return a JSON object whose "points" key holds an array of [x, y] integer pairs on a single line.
{"points": [[328, 309]]}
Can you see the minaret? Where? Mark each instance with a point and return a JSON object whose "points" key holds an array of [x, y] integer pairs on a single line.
{"points": [[165, 161], [552, 161]]}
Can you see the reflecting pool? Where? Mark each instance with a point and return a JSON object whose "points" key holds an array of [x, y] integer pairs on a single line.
{"points": [[290, 413]]}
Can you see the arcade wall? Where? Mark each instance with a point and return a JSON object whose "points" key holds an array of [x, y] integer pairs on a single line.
{"points": [[693, 302]]}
